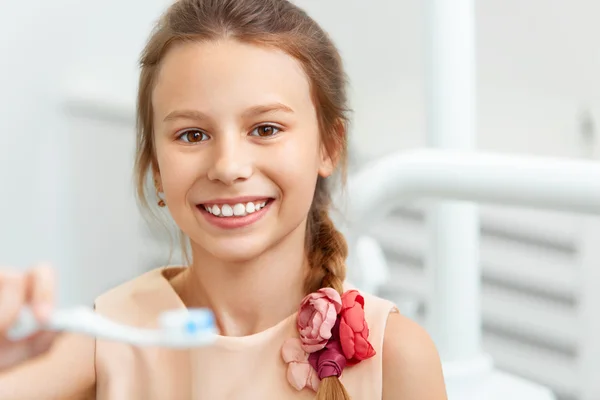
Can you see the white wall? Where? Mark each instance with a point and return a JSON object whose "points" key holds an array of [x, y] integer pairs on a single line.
{"points": [[510, 119], [62, 176], [537, 67], [29, 126]]}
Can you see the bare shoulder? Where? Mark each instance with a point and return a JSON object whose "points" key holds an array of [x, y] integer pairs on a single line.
{"points": [[411, 365], [67, 371]]}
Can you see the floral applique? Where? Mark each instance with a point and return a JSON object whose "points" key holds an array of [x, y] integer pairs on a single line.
{"points": [[354, 332], [333, 334], [300, 373]]}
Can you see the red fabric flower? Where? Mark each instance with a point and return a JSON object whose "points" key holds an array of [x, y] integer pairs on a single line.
{"points": [[354, 332]]}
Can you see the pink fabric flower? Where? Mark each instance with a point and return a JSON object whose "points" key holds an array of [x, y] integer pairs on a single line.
{"points": [[300, 373], [317, 316]]}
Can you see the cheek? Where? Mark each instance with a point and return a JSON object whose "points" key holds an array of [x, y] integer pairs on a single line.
{"points": [[295, 172], [178, 173], [299, 158]]}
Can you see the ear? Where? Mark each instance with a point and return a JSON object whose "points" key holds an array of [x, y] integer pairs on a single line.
{"points": [[329, 157], [156, 178], [326, 164]]}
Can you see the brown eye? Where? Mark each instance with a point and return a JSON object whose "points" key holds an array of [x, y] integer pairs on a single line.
{"points": [[193, 136], [265, 131]]}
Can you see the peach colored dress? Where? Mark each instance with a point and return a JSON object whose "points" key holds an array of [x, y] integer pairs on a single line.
{"points": [[235, 368]]}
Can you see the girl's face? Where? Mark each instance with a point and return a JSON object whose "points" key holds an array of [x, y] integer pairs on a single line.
{"points": [[237, 145]]}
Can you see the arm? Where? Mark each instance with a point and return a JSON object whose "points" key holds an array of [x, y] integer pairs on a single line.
{"points": [[66, 371], [411, 366]]}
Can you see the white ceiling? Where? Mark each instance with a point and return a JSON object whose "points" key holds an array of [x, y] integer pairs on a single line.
{"points": [[550, 46]]}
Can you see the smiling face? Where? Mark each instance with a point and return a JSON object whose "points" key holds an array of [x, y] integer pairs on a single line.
{"points": [[237, 145]]}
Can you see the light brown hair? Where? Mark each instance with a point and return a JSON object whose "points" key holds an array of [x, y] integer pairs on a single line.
{"points": [[282, 25]]}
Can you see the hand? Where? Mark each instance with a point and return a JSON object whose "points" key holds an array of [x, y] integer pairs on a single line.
{"points": [[34, 288]]}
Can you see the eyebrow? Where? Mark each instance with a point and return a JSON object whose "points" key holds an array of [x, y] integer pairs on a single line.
{"points": [[267, 108], [251, 112]]}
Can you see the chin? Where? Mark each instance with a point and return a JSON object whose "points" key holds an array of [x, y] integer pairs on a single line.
{"points": [[237, 249]]}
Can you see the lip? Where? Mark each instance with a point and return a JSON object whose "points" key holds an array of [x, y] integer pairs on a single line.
{"points": [[235, 222], [236, 200]]}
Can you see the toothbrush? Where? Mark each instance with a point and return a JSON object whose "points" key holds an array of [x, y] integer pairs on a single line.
{"points": [[185, 328]]}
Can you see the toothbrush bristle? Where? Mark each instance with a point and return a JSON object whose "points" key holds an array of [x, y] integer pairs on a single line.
{"points": [[188, 325], [191, 327]]}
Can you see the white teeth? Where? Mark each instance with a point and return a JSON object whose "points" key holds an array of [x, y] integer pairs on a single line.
{"points": [[239, 210], [227, 210]]}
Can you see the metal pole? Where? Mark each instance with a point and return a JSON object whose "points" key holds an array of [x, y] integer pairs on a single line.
{"points": [[453, 252]]}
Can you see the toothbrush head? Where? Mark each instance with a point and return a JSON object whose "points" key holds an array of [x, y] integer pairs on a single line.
{"points": [[193, 327]]}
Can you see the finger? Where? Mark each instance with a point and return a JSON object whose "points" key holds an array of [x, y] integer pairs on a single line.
{"points": [[13, 353], [41, 281], [41, 342], [12, 297]]}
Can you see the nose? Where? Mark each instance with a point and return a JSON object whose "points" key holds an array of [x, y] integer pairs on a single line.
{"points": [[231, 161]]}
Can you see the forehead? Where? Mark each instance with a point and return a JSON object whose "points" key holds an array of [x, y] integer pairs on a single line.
{"points": [[227, 74]]}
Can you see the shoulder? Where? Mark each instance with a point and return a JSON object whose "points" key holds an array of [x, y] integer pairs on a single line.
{"points": [[411, 365], [140, 300], [119, 300]]}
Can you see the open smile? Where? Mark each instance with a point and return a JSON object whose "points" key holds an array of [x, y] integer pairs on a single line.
{"points": [[235, 214]]}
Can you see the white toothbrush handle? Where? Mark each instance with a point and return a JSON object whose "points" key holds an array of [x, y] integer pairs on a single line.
{"points": [[181, 328], [77, 320]]}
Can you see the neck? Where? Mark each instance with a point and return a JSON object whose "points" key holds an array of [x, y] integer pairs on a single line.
{"points": [[251, 296]]}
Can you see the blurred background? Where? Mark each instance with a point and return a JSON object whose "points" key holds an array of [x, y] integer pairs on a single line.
{"points": [[68, 74]]}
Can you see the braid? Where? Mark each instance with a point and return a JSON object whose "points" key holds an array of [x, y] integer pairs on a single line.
{"points": [[327, 247], [327, 256], [331, 388]]}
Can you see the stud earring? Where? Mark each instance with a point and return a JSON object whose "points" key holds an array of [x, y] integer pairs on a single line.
{"points": [[161, 201]]}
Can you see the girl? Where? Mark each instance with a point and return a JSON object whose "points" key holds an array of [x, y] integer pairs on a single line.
{"points": [[242, 121]]}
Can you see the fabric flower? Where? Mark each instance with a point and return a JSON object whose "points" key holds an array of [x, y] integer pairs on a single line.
{"points": [[300, 373], [330, 361], [317, 316], [354, 332]]}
